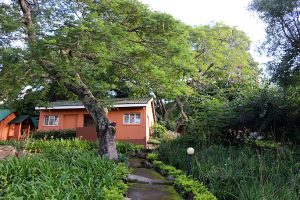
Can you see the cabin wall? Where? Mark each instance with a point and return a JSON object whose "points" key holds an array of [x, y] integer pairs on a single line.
{"points": [[67, 119], [74, 119], [17, 132], [135, 133], [5, 128]]}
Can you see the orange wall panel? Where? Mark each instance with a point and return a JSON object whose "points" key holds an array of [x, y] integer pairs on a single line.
{"points": [[75, 120], [70, 121], [5, 127], [17, 131], [129, 132]]}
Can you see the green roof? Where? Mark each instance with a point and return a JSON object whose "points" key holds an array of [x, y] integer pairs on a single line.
{"points": [[19, 119], [4, 113], [22, 118], [35, 121]]}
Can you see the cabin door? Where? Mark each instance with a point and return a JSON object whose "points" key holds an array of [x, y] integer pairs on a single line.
{"points": [[70, 121]]}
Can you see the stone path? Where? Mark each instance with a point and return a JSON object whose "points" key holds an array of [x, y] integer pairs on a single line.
{"points": [[147, 184]]}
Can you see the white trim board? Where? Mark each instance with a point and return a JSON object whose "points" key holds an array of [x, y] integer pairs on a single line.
{"points": [[82, 107]]}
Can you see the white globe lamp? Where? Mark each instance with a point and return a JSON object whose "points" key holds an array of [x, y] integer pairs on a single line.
{"points": [[190, 151]]}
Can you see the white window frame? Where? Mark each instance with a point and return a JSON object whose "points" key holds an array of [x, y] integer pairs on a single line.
{"points": [[49, 117], [135, 118]]}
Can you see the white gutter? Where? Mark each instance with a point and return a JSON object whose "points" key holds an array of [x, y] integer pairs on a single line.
{"points": [[129, 105], [59, 107], [82, 107]]}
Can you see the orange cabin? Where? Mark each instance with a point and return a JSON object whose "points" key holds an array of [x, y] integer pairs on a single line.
{"points": [[134, 119], [13, 127]]}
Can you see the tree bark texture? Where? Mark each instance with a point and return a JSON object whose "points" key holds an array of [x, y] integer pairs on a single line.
{"points": [[162, 111], [182, 117], [105, 132], [27, 20]]}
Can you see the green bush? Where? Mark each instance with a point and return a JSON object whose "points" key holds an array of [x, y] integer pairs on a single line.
{"points": [[238, 172], [187, 186], [152, 156], [39, 146], [54, 134], [62, 174], [129, 148], [153, 141], [190, 186], [159, 131]]}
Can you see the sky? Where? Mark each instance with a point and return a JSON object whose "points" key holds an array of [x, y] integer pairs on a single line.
{"points": [[230, 12]]}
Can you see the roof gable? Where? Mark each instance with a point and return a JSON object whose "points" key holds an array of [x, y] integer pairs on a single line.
{"points": [[19, 119], [4, 113], [22, 118]]}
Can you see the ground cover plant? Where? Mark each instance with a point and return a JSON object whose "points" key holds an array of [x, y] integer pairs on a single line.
{"points": [[38, 146], [61, 169], [185, 185], [238, 172], [54, 134]]}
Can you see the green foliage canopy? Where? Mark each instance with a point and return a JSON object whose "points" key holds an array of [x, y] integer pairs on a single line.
{"points": [[109, 43], [283, 37]]}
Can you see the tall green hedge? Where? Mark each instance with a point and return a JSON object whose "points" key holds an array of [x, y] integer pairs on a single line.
{"points": [[54, 134]]}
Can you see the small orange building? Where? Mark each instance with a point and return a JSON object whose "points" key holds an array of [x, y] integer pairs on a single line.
{"points": [[134, 118], [6, 130], [13, 127]]}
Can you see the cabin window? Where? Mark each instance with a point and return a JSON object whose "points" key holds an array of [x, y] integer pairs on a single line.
{"points": [[132, 118], [88, 121], [51, 120]]}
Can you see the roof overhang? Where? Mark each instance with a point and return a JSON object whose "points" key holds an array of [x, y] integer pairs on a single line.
{"points": [[59, 108], [82, 107]]}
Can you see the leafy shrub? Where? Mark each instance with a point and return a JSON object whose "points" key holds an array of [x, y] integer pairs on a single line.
{"points": [[159, 131], [153, 141], [54, 134], [170, 135], [38, 146], [152, 156], [129, 148], [207, 116], [62, 174], [187, 186]]}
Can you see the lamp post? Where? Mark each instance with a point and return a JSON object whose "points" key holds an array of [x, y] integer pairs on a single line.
{"points": [[190, 151]]}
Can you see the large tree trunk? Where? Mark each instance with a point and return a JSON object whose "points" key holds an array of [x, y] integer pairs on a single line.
{"points": [[161, 109], [105, 132], [180, 127]]}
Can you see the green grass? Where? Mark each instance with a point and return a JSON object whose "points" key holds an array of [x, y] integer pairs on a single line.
{"points": [[62, 169], [38, 146], [238, 172]]}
